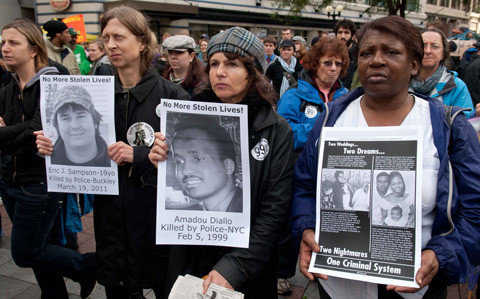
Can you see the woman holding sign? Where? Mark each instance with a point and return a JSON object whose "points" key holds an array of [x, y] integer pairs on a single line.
{"points": [[390, 53], [23, 185], [236, 60], [128, 259]]}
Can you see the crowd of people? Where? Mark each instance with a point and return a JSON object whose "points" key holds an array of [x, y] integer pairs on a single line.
{"points": [[388, 73]]}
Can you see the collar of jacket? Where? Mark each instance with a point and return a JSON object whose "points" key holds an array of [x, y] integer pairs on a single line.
{"points": [[48, 70], [265, 118], [446, 83], [55, 48], [304, 78], [143, 87], [103, 60], [259, 111]]}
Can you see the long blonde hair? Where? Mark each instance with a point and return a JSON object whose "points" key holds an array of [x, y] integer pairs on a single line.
{"points": [[34, 37]]}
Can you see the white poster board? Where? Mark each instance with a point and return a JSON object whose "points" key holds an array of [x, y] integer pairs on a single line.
{"points": [[364, 235], [203, 195], [78, 116]]}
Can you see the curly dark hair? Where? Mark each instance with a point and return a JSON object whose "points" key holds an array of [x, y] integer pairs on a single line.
{"points": [[256, 80], [326, 47], [346, 24]]}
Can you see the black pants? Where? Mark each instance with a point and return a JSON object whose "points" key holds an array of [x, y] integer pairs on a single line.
{"points": [[287, 256]]}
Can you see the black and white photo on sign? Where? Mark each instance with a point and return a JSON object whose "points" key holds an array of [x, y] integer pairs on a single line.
{"points": [[204, 172], [346, 189], [78, 117], [393, 198], [76, 128], [369, 182], [203, 188]]}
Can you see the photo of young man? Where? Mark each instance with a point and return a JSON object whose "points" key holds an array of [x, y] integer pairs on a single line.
{"points": [[77, 123], [205, 166]]}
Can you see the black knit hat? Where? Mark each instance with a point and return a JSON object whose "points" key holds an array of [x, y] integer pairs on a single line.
{"points": [[53, 27]]}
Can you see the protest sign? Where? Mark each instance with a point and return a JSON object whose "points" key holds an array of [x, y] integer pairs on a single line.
{"points": [[78, 116], [475, 122], [462, 46], [369, 204], [204, 186], [78, 23]]}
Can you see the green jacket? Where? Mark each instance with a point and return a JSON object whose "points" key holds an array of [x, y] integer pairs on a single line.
{"points": [[82, 60]]}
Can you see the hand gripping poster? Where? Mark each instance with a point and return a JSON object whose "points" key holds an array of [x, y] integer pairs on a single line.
{"points": [[78, 116], [203, 195], [369, 204]]}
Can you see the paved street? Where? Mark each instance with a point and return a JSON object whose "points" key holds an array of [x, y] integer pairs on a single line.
{"points": [[20, 283]]}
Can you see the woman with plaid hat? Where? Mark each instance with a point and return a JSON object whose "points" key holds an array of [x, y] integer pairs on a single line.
{"points": [[235, 67]]}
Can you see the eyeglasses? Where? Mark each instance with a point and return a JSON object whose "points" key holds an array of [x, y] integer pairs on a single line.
{"points": [[329, 63]]}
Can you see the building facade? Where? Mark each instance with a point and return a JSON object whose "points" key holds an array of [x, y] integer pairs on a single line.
{"points": [[454, 14], [211, 16]]}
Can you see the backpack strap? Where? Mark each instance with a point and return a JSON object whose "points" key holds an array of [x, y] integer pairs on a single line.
{"points": [[291, 79], [450, 118], [448, 115]]}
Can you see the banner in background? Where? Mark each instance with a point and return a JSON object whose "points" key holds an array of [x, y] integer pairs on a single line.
{"points": [[78, 23]]}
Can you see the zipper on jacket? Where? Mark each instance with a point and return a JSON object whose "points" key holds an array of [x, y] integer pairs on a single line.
{"points": [[126, 127], [20, 97]]}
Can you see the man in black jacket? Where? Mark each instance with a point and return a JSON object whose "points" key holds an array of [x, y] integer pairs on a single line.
{"points": [[345, 31]]}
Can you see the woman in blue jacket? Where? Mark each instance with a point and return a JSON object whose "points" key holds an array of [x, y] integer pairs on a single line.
{"points": [[390, 53], [317, 84]]}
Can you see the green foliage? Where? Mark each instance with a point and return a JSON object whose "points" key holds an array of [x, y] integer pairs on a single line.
{"points": [[295, 7], [392, 7]]}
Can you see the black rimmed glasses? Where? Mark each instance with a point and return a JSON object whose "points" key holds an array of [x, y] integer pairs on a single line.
{"points": [[328, 63]]}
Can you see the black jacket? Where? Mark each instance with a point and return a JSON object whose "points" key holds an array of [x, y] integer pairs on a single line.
{"points": [[275, 73], [125, 224], [59, 155], [352, 68], [471, 77], [21, 112], [251, 270]]}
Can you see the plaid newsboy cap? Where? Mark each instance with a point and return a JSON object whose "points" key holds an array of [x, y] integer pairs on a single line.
{"points": [[179, 43], [240, 41]]}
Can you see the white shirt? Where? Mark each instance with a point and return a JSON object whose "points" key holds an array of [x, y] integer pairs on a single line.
{"points": [[419, 115]]}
